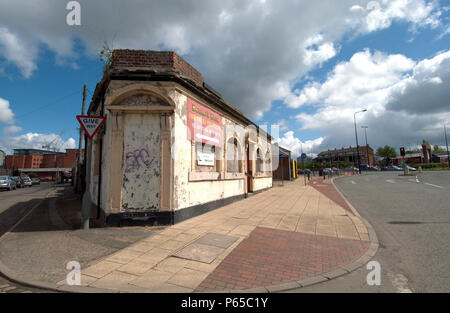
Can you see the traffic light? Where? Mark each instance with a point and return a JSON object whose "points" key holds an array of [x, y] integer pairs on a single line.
{"points": [[402, 151]]}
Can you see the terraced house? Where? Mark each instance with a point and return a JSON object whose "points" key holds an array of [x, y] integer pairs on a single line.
{"points": [[171, 148]]}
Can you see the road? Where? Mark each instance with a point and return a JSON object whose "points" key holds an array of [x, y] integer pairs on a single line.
{"points": [[14, 205], [411, 216]]}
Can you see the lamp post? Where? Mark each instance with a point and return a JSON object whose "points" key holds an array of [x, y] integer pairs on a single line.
{"points": [[367, 145], [356, 135], [446, 143]]}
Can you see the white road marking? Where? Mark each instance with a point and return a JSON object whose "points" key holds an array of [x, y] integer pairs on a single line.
{"points": [[353, 182], [400, 282], [417, 180], [434, 185], [390, 181]]}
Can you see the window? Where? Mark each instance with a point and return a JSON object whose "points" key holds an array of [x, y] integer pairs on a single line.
{"points": [[234, 162], [259, 162], [206, 157]]}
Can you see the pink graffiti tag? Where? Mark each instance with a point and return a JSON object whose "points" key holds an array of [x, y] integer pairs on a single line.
{"points": [[138, 158]]}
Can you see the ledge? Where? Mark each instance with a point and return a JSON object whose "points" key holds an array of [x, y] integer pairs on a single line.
{"points": [[204, 176]]}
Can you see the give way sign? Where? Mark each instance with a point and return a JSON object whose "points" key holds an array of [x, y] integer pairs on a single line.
{"points": [[91, 124]]}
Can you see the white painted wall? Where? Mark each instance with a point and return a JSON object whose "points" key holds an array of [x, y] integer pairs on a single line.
{"points": [[142, 162]]}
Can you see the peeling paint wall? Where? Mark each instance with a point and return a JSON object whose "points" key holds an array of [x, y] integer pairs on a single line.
{"points": [[189, 193], [262, 183], [142, 163]]}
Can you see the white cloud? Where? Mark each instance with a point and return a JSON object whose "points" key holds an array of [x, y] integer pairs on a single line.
{"points": [[406, 100], [296, 146], [18, 52], [379, 15], [36, 141], [246, 49], [9, 130], [6, 114]]}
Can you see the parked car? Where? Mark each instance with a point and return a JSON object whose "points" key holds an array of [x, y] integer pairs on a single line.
{"points": [[392, 168], [27, 181], [412, 169], [7, 183], [35, 181], [18, 180]]}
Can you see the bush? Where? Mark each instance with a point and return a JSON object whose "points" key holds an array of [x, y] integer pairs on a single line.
{"points": [[430, 165]]}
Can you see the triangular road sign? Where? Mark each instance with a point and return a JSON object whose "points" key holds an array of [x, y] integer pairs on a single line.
{"points": [[91, 124]]}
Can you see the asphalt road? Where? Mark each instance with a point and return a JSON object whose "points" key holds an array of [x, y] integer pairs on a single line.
{"points": [[411, 216], [14, 205]]}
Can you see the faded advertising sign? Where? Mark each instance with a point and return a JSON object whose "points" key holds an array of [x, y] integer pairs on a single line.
{"points": [[204, 125]]}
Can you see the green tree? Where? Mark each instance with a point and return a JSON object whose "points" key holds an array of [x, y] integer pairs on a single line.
{"points": [[386, 152], [438, 149]]}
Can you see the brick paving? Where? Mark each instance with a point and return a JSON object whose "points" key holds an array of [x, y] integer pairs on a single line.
{"points": [[327, 189], [272, 256]]}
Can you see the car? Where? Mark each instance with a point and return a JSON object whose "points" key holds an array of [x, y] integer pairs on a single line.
{"points": [[18, 180], [35, 181], [7, 183], [412, 169], [27, 181], [392, 168]]}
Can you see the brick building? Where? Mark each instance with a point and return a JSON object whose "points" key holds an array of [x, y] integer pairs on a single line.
{"points": [[348, 155], [166, 152], [44, 163]]}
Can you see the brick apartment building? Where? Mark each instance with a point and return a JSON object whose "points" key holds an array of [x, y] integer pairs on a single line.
{"points": [[44, 163], [348, 155]]}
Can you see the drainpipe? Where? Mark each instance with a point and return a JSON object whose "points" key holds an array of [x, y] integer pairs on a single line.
{"points": [[100, 163]]}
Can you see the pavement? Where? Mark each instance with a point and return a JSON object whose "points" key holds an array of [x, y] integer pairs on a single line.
{"points": [[285, 238]]}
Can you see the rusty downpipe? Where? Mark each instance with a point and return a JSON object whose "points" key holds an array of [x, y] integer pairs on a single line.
{"points": [[99, 209]]}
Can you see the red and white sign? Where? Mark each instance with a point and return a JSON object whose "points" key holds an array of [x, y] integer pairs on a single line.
{"points": [[91, 124], [204, 125]]}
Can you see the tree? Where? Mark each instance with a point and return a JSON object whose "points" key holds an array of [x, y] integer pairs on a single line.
{"points": [[386, 152], [438, 149]]}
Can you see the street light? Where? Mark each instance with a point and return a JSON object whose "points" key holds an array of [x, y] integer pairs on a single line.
{"points": [[446, 142], [356, 135], [367, 145]]}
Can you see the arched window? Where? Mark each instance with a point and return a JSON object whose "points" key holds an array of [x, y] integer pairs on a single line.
{"points": [[259, 162], [233, 156], [267, 162]]}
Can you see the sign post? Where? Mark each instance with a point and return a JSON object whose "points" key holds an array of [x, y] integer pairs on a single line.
{"points": [[303, 165], [90, 125]]}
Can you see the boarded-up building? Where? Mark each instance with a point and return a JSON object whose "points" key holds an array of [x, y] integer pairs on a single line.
{"points": [[171, 147]]}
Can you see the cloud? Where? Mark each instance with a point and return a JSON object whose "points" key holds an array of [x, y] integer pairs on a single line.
{"points": [[427, 90], [378, 15], [18, 52], [406, 100], [6, 114], [296, 146], [9, 130], [246, 49], [36, 141]]}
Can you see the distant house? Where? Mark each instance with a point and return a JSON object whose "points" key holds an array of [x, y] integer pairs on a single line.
{"points": [[348, 155]]}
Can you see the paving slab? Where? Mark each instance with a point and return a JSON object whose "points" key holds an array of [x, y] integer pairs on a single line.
{"points": [[200, 253]]}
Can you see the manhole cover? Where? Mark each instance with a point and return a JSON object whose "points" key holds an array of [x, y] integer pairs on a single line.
{"points": [[207, 248], [200, 253]]}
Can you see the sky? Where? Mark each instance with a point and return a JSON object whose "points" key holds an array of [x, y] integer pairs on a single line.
{"points": [[306, 66]]}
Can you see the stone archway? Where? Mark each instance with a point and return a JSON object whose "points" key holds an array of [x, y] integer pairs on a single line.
{"points": [[140, 166]]}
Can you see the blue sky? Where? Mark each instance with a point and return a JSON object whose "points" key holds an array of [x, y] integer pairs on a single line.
{"points": [[305, 66]]}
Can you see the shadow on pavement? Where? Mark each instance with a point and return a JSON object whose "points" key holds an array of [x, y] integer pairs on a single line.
{"points": [[49, 237]]}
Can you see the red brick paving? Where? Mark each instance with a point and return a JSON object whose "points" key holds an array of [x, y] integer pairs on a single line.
{"points": [[271, 256], [329, 191]]}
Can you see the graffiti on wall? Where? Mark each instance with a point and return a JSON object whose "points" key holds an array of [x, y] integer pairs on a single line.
{"points": [[138, 158]]}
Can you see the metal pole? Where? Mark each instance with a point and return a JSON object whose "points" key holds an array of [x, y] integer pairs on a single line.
{"points": [[357, 144], [446, 142], [367, 145]]}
